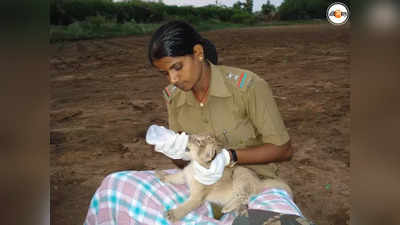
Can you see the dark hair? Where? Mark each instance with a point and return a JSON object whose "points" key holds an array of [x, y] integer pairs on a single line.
{"points": [[177, 38]]}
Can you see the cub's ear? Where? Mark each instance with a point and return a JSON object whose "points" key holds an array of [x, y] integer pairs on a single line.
{"points": [[192, 138], [211, 139]]}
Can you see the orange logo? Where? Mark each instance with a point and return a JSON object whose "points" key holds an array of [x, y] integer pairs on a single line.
{"points": [[337, 13]]}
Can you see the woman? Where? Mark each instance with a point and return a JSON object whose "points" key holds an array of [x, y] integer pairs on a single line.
{"points": [[233, 104]]}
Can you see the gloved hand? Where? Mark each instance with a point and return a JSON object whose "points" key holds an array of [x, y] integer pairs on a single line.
{"points": [[168, 142], [216, 170]]}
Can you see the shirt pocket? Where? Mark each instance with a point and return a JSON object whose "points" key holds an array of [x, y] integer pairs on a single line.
{"points": [[239, 136], [231, 123]]}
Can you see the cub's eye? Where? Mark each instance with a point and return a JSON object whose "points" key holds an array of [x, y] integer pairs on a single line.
{"points": [[187, 149]]}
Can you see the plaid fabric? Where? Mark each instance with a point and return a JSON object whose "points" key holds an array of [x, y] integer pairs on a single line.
{"points": [[275, 200], [139, 197]]}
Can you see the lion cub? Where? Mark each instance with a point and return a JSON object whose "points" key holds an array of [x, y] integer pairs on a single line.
{"points": [[231, 191]]}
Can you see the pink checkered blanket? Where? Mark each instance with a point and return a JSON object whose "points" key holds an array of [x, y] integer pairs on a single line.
{"points": [[139, 197]]}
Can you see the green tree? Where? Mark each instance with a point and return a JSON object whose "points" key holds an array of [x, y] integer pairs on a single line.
{"points": [[246, 6], [303, 9], [268, 8], [249, 6], [239, 5]]}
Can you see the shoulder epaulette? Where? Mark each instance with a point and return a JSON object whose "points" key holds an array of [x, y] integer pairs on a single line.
{"points": [[169, 92], [242, 81]]}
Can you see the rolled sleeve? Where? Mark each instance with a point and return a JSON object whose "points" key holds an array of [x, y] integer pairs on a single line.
{"points": [[265, 115]]}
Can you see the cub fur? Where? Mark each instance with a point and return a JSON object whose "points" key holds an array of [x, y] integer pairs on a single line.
{"points": [[232, 191]]}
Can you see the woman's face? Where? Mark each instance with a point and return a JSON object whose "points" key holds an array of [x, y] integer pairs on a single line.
{"points": [[183, 71]]}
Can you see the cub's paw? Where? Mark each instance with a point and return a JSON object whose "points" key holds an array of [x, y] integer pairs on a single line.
{"points": [[171, 216], [161, 174], [242, 210], [231, 206]]}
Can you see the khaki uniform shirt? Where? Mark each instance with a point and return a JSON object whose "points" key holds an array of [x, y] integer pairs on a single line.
{"points": [[240, 112]]}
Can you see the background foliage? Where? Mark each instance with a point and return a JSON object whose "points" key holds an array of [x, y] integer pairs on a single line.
{"points": [[85, 19], [305, 9], [65, 12]]}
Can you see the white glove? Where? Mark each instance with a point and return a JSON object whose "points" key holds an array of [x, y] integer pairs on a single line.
{"points": [[168, 142], [216, 170]]}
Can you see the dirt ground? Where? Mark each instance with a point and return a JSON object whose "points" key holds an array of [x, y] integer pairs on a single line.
{"points": [[104, 95]]}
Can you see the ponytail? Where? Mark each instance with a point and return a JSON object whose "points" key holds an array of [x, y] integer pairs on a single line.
{"points": [[210, 52], [177, 38]]}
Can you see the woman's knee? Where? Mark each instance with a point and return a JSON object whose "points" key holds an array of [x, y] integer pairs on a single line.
{"points": [[111, 179]]}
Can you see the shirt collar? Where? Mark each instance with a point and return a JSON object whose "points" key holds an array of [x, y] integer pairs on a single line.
{"points": [[217, 87]]}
